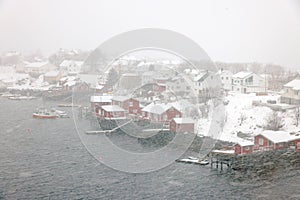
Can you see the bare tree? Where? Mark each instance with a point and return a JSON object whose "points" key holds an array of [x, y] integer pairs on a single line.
{"points": [[242, 118], [297, 116], [274, 122]]}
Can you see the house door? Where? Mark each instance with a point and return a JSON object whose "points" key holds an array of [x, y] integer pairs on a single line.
{"points": [[245, 90]]}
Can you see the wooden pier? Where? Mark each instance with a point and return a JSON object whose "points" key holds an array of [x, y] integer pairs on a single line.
{"points": [[221, 158], [107, 131]]}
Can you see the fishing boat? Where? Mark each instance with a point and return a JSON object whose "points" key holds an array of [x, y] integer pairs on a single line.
{"points": [[43, 113], [21, 97]]}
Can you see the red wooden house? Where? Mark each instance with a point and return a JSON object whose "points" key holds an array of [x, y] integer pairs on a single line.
{"points": [[160, 112], [98, 101], [297, 144], [182, 125], [271, 140], [131, 105], [244, 147], [295, 141], [111, 111]]}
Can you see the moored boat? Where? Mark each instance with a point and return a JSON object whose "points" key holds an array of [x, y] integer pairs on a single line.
{"points": [[21, 97], [44, 114]]}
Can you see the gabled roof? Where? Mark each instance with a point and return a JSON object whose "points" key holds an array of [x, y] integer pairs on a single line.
{"points": [[157, 108], [36, 64], [121, 98], [183, 120], [242, 74], [101, 99], [202, 76], [294, 84], [112, 108], [67, 63], [276, 136], [182, 105], [245, 143]]}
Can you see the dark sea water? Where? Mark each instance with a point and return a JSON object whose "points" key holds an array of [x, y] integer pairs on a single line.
{"points": [[45, 159]]}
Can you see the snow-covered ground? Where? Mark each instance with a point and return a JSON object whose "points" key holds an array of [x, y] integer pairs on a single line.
{"points": [[244, 120]]}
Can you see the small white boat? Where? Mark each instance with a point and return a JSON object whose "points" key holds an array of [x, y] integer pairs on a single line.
{"points": [[42, 113], [204, 162], [21, 97], [193, 160]]}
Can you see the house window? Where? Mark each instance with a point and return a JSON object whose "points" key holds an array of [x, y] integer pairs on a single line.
{"points": [[261, 141], [280, 145], [247, 148], [130, 104], [296, 92], [226, 78], [298, 145]]}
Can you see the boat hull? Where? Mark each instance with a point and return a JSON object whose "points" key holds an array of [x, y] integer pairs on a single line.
{"points": [[40, 116]]}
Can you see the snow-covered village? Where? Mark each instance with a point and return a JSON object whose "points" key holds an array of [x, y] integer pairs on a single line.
{"points": [[149, 99], [261, 101]]}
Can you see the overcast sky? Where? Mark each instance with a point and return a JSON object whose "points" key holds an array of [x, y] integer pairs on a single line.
{"points": [[230, 31]]}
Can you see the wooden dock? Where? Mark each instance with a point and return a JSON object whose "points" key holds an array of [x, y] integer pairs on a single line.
{"points": [[107, 131], [221, 158]]}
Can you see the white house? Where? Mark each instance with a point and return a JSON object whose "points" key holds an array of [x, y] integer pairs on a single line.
{"points": [[291, 94], [248, 82], [207, 84], [70, 67], [226, 79], [38, 68]]}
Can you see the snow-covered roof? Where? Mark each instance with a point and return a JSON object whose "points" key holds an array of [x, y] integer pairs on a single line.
{"points": [[101, 99], [112, 108], [121, 98], [36, 64], [276, 136], [130, 74], [68, 78], [294, 84], [67, 63], [202, 76], [157, 108], [245, 143], [52, 74], [242, 74], [183, 120]]}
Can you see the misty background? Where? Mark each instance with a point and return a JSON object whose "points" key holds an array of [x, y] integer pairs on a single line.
{"points": [[229, 31]]}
